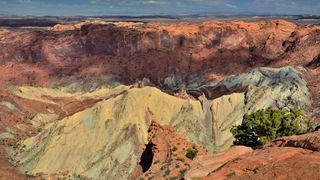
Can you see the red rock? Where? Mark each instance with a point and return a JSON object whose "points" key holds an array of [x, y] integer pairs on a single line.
{"points": [[285, 158], [135, 51]]}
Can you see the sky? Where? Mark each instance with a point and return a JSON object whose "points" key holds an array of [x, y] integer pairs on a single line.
{"points": [[156, 7]]}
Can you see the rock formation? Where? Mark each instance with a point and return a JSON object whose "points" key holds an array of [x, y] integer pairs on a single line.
{"points": [[127, 100], [135, 51], [114, 130], [271, 161]]}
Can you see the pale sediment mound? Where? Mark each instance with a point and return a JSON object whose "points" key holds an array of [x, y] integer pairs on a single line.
{"points": [[105, 140], [107, 137], [112, 133]]}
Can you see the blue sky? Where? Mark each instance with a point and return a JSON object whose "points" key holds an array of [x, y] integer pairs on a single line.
{"points": [[156, 7]]}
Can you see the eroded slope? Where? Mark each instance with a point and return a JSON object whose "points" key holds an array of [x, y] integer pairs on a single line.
{"points": [[107, 139]]}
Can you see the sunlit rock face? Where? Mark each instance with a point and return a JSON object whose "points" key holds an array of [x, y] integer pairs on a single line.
{"points": [[108, 138], [132, 51], [274, 160], [82, 99]]}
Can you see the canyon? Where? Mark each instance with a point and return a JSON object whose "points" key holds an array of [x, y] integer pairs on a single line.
{"points": [[128, 100]]}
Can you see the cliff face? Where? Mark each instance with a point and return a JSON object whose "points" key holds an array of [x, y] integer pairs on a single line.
{"points": [[101, 99], [135, 51]]}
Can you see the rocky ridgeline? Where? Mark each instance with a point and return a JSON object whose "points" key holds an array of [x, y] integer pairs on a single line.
{"points": [[87, 100], [133, 51], [114, 131]]}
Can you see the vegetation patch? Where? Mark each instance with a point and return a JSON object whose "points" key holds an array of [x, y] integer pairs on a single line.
{"points": [[174, 148], [263, 126], [191, 153], [252, 48], [181, 159], [166, 173], [183, 171], [177, 165]]}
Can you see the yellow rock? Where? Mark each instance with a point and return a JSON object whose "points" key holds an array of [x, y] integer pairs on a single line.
{"points": [[105, 140]]}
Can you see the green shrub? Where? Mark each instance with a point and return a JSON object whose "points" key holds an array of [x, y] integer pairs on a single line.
{"points": [[191, 153], [252, 48], [177, 165], [263, 126], [174, 148], [183, 171], [180, 159], [166, 173]]}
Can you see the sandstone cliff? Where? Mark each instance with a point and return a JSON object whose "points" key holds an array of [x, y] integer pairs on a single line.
{"points": [[93, 99], [135, 51]]}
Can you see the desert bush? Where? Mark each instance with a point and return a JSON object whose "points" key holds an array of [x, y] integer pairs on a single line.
{"points": [[180, 159], [191, 153], [263, 126], [177, 165], [166, 173], [252, 48], [174, 148], [183, 171]]}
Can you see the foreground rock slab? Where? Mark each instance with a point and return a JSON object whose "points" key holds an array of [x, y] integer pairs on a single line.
{"points": [[295, 157], [204, 165]]}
